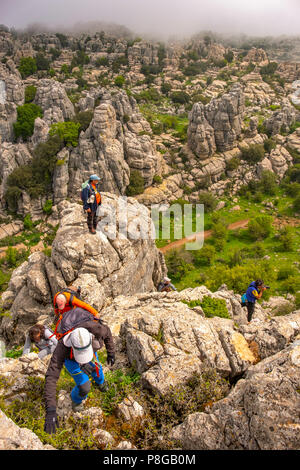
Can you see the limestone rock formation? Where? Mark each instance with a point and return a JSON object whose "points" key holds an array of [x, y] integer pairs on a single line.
{"points": [[281, 119], [14, 438], [11, 157], [217, 125], [257, 56], [11, 96], [52, 98], [259, 414], [115, 261]]}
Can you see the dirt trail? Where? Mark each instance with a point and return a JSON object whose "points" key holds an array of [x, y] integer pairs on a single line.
{"points": [[207, 233]]}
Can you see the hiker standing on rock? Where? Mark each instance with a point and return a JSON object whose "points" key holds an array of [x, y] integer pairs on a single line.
{"points": [[91, 199], [77, 350], [253, 293]]}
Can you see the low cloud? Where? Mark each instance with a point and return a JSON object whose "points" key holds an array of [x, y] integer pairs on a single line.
{"points": [[160, 17]]}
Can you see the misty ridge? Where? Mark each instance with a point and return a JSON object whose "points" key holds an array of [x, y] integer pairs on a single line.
{"points": [[238, 41]]}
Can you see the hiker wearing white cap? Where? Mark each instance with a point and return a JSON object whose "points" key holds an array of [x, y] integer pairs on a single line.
{"points": [[77, 351], [91, 199], [165, 285]]}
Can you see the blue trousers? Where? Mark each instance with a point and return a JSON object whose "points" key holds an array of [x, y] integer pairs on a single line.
{"points": [[82, 380]]}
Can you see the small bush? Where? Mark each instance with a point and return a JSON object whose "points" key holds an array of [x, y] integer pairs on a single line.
{"points": [[260, 227], [119, 81], [208, 200], [67, 131], [268, 183], [42, 63], [27, 67], [284, 272], [296, 204], [177, 266], [180, 97], [291, 284], [47, 207], [28, 224], [26, 115], [157, 179], [233, 164], [205, 256], [84, 119], [253, 154], [286, 238], [30, 92], [269, 145], [136, 184], [214, 307], [102, 62], [220, 234], [165, 88]]}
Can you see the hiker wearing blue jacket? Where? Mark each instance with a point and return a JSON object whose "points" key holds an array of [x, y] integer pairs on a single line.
{"points": [[91, 199], [253, 293]]}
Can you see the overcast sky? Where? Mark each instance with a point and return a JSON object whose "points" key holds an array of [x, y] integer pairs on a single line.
{"points": [[252, 17]]}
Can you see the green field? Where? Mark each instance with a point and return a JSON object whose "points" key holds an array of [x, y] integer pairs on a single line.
{"points": [[242, 258]]}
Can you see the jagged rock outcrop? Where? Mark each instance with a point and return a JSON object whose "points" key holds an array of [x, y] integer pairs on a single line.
{"points": [[114, 138], [115, 261], [159, 331], [217, 125], [11, 96], [281, 119], [167, 343], [257, 56], [259, 414], [53, 99], [293, 140], [11, 157], [14, 438]]}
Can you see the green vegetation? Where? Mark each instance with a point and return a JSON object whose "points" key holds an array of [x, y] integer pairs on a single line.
{"points": [[211, 307], [161, 413], [136, 184], [36, 177], [180, 97], [26, 115], [233, 164], [80, 59], [240, 259], [120, 81], [30, 92], [27, 67], [84, 119], [253, 154], [260, 227], [42, 63], [67, 131], [102, 62]]}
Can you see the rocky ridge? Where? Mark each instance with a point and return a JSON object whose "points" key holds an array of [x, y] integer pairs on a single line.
{"points": [[104, 265], [155, 332]]}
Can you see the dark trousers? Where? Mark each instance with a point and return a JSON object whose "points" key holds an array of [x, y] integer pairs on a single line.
{"points": [[250, 309], [92, 220]]}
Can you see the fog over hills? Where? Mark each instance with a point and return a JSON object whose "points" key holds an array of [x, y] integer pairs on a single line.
{"points": [[162, 19]]}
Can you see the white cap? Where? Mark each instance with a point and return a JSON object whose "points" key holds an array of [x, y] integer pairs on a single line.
{"points": [[80, 340], [166, 279]]}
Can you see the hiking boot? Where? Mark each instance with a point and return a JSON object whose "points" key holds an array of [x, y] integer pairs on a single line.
{"points": [[103, 387], [77, 407]]}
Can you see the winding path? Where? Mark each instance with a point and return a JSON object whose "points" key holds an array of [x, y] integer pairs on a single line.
{"points": [[207, 233]]}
